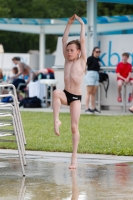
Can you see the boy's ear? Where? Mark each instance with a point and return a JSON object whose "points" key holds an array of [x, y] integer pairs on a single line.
{"points": [[79, 51]]}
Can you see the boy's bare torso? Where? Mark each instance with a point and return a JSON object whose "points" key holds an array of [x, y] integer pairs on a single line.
{"points": [[73, 74]]}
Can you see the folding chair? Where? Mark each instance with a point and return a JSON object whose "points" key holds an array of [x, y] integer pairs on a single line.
{"points": [[14, 132], [16, 106], [16, 121]]}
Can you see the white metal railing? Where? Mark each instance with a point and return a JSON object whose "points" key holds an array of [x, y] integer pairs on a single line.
{"points": [[106, 68]]}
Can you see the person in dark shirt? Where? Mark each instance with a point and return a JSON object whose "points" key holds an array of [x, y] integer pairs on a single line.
{"points": [[92, 80]]}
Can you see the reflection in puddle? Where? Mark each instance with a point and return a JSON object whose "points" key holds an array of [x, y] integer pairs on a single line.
{"points": [[122, 174], [75, 190], [54, 181]]}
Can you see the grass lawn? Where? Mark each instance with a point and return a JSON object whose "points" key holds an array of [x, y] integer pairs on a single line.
{"points": [[98, 134]]}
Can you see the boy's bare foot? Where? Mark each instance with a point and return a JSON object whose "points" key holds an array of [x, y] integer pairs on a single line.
{"points": [[73, 164], [56, 127]]}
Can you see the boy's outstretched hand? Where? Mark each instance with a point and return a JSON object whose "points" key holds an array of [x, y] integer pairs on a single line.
{"points": [[79, 19], [71, 19]]}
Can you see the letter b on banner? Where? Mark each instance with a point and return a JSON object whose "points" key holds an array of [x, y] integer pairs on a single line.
{"points": [[112, 57]]}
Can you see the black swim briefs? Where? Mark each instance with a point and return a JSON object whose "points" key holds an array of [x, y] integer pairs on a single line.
{"points": [[71, 97]]}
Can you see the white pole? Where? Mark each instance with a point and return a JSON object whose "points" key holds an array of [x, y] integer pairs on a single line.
{"points": [[2, 54], [42, 48], [91, 25]]}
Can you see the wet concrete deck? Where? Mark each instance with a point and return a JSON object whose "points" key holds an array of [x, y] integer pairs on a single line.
{"points": [[98, 177]]}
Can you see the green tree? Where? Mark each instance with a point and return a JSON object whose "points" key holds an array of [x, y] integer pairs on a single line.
{"points": [[110, 9], [4, 10], [22, 42]]}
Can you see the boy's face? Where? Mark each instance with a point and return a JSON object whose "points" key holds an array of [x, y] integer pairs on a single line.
{"points": [[72, 52], [124, 59]]}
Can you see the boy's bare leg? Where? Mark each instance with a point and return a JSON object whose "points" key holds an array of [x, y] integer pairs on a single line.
{"points": [[131, 108], [119, 87], [59, 98], [87, 98], [131, 82], [89, 93], [75, 108], [93, 97]]}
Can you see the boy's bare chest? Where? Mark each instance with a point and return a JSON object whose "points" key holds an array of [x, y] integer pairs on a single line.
{"points": [[73, 68]]}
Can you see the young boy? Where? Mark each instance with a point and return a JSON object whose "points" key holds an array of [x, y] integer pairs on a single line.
{"points": [[124, 70], [74, 69]]}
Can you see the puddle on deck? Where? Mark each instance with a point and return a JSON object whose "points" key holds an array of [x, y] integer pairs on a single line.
{"points": [[54, 181]]}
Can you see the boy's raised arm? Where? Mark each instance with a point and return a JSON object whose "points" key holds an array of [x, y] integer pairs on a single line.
{"points": [[66, 33], [82, 38]]}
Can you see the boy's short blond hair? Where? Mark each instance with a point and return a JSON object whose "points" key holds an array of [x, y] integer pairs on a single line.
{"points": [[126, 54], [76, 42]]}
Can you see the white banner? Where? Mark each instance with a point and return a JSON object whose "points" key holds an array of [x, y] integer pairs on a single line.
{"points": [[112, 47]]}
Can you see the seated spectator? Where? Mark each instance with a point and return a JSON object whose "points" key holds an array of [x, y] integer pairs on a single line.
{"points": [[23, 69], [1, 74], [3, 91], [123, 71], [16, 81], [14, 72]]}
